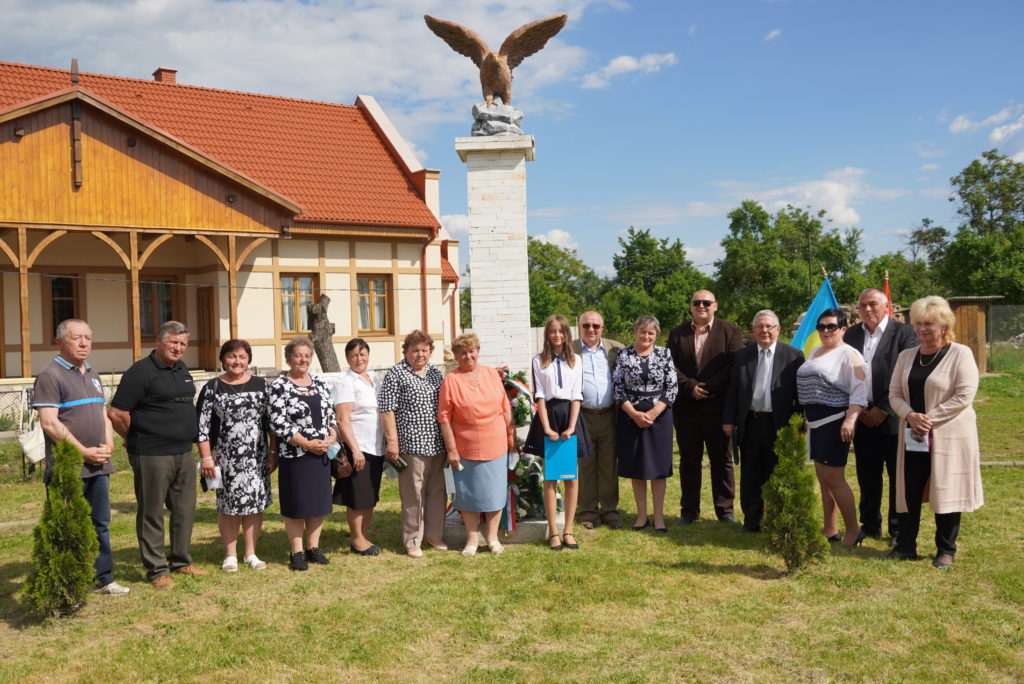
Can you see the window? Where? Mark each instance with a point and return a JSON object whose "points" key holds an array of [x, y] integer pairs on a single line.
{"points": [[372, 298], [297, 290], [156, 304], [63, 300]]}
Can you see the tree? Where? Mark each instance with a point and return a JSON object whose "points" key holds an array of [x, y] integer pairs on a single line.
{"points": [[908, 280], [927, 242], [65, 543], [989, 193], [559, 282]]}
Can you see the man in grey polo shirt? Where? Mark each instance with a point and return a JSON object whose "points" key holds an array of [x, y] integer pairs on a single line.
{"points": [[69, 398], [153, 410]]}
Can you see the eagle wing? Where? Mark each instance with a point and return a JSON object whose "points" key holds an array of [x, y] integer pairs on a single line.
{"points": [[463, 40], [528, 38]]}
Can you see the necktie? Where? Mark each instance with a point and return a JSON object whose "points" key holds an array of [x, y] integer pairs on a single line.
{"points": [[558, 369], [761, 382]]}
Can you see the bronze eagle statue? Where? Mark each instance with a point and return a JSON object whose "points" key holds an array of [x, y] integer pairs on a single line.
{"points": [[496, 69]]}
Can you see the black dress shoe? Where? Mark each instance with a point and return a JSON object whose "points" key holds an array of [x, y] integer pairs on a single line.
{"points": [[637, 528], [663, 530], [297, 561], [837, 537], [613, 524], [555, 548], [943, 561], [371, 550], [899, 555], [874, 534], [315, 555], [686, 520], [751, 528]]}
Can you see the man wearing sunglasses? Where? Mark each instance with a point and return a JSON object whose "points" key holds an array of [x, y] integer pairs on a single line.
{"points": [[599, 478], [880, 340], [703, 349]]}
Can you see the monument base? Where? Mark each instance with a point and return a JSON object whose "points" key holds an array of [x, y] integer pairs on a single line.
{"points": [[526, 532], [498, 119]]}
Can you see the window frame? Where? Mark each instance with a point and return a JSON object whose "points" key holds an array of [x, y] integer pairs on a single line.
{"points": [[177, 304], [296, 299], [384, 327], [77, 298]]}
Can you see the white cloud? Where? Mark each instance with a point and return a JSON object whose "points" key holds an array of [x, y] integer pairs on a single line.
{"points": [[605, 271], [1002, 134], [626, 64], [929, 150], [930, 167], [963, 123], [704, 257], [772, 35], [559, 238], [456, 224]]}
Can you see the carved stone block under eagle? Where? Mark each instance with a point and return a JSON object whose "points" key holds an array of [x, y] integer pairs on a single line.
{"points": [[496, 69]]}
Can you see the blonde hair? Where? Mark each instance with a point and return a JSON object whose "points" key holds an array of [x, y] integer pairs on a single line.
{"points": [[465, 341], [547, 354], [937, 309]]}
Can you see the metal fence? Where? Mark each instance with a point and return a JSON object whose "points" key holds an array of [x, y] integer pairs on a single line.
{"points": [[1005, 337]]}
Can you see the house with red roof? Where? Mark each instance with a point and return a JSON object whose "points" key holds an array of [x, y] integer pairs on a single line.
{"points": [[128, 202]]}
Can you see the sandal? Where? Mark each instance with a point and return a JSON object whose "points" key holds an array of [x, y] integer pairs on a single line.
{"points": [[565, 540], [495, 546], [254, 562], [230, 564], [554, 548]]}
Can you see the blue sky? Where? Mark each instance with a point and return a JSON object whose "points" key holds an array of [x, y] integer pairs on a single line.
{"points": [[661, 114]]}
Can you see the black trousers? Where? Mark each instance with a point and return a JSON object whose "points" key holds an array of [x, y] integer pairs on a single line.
{"points": [[757, 461], [875, 449], [917, 467], [694, 432]]}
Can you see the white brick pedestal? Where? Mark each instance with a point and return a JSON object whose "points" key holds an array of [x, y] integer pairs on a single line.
{"points": [[496, 174]]}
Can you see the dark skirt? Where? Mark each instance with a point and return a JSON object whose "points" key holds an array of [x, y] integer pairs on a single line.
{"points": [[304, 484], [558, 420], [644, 453], [825, 445], [360, 491]]}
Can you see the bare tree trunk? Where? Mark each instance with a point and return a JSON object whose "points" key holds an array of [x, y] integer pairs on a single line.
{"points": [[322, 332]]}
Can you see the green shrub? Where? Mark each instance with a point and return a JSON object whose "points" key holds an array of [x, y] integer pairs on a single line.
{"points": [[65, 543], [792, 509]]}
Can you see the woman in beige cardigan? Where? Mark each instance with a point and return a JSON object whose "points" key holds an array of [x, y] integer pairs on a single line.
{"points": [[932, 391]]}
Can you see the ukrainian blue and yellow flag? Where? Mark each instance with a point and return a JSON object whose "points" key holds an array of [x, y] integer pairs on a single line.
{"points": [[806, 337]]}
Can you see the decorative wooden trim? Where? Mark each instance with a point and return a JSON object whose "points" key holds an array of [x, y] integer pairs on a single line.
{"points": [[248, 250], [133, 289], [152, 248], [10, 254], [43, 244], [26, 350], [89, 227], [103, 237], [216, 250]]}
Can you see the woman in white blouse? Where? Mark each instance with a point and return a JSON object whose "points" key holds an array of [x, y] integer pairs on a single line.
{"points": [[558, 391], [355, 404], [832, 387]]}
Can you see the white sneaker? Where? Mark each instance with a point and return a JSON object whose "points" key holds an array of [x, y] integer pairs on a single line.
{"points": [[114, 589]]}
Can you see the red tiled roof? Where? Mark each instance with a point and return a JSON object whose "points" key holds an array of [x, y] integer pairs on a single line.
{"points": [[448, 274], [326, 157]]}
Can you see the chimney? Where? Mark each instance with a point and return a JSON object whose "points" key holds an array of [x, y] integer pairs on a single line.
{"points": [[165, 75]]}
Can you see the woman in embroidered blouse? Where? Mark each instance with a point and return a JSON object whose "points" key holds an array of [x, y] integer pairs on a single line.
{"points": [[932, 391], [646, 385], [558, 391], [476, 423], [355, 406], [832, 386], [302, 418], [232, 412], [408, 414]]}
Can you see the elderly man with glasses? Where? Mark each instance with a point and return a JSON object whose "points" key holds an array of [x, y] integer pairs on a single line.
{"points": [[599, 481], [760, 401], [703, 349]]}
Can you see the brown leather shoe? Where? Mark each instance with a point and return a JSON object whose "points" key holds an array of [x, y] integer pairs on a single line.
{"points": [[588, 524], [191, 570], [943, 561], [162, 582]]}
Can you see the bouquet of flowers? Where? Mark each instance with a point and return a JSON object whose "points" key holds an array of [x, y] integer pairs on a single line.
{"points": [[526, 498]]}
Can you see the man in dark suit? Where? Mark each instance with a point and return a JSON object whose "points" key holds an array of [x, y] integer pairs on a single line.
{"points": [[760, 400], [702, 349], [880, 340], [599, 475]]}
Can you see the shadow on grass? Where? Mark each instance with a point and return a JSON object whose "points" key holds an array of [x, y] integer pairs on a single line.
{"points": [[758, 571], [14, 612]]}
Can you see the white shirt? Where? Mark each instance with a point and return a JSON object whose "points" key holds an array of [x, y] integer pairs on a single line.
{"points": [[546, 383], [871, 341], [764, 402], [597, 377], [352, 388]]}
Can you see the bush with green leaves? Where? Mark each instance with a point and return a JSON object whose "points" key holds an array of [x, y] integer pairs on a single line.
{"points": [[792, 507], [65, 543]]}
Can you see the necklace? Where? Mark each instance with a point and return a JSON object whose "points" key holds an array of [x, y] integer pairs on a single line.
{"points": [[921, 355], [233, 389]]}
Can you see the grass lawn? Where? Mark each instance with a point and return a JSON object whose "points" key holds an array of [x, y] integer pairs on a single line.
{"points": [[704, 603]]}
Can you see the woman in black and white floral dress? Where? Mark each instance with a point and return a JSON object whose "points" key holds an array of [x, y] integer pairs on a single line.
{"points": [[232, 412], [645, 387]]}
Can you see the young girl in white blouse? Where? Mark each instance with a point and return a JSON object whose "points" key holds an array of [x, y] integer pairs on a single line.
{"points": [[558, 391]]}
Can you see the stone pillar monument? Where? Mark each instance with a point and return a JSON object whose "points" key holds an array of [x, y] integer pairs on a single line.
{"points": [[496, 174]]}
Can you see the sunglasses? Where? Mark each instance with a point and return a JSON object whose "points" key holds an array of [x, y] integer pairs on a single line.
{"points": [[827, 327], [702, 302], [595, 326]]}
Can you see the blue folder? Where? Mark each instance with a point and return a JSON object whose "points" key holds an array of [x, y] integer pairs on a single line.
{"points": [[560, 459]]}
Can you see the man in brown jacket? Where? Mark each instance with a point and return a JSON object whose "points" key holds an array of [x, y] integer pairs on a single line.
{"points": [[702, 349]]}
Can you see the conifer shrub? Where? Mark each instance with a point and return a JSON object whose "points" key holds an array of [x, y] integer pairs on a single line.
{"points": [[792, 507], [65, 543]]}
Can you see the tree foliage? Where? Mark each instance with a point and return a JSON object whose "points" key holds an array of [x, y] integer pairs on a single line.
{"points": [[792, 509], [559, 282], [65, 543], [989, 194]]}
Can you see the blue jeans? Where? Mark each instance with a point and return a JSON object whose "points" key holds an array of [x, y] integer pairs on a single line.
{"points": [[96, 491]]}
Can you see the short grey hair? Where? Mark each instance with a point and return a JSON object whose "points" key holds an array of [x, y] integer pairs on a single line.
{"points": [[646, 322], [300, 341], [767, 313], [62, 327], [874, 291], [168, 328]]}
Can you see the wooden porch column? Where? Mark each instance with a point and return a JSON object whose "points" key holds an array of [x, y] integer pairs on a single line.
{"points": [[26, 347], [133, 253], [233, 286]]}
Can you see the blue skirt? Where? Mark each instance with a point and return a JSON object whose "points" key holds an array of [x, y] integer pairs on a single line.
{"points": [[481, 486]]}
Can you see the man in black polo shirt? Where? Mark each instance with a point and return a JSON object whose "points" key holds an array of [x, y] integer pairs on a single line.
{"points": [[153, 410], [69, 398]]}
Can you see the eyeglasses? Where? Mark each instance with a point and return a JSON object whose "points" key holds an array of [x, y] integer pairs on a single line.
{"points": [[766, 326], [702, 302], [594, 326], [827, 327]]}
